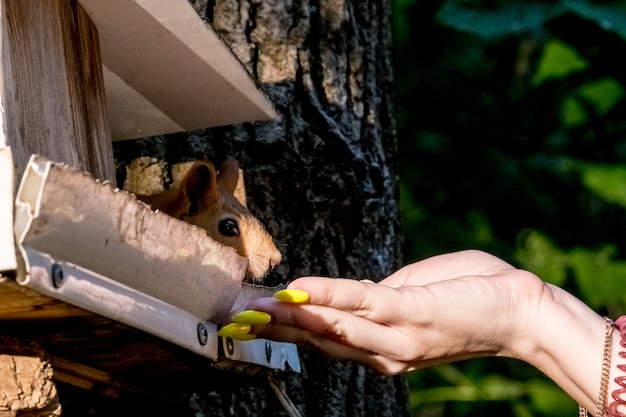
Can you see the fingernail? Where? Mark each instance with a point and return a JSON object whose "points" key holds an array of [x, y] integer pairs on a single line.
{"points": [[292, 296], [234, 330], [251, 317]]}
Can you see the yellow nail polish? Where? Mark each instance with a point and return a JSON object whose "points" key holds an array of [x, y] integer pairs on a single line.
{"points": [[292, 296], [251, 317], [234, 330]]}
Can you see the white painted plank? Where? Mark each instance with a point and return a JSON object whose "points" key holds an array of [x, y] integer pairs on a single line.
{"points": [[108, 298], [132, 115], [7, 247], [163, 51]]}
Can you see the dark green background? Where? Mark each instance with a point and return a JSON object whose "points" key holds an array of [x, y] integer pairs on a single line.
{"points": [[512, 139]]}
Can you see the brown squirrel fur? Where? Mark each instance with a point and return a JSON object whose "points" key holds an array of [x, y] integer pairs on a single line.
{"points": [[215, 201]]}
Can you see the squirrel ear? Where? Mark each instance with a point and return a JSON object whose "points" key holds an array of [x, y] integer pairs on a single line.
{"points": [[240, 190], [199, 186], [228, 175], [230, 178]]}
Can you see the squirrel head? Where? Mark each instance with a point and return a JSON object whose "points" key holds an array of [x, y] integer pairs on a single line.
{"points": [[215, 201]]}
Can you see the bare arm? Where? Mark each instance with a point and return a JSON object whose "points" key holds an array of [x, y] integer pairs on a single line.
{"points": [[446, 308]]}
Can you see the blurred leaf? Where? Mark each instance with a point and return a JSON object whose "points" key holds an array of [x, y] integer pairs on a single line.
{"points": [[480, 227], [412, 213], [610, 16], [443, 394], [452, 375], [549, 399], [573, 112], [538, 255], [489, 388], [401, 23], [507, 19], [521, 409], [499, 388], [558, 59], [606, 181], [601, 279], [603, 94]]}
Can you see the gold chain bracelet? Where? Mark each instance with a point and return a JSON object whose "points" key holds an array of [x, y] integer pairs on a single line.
{"points": [[606, 369]]}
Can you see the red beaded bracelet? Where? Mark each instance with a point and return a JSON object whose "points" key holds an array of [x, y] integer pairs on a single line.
{"points": [[620, 324]]}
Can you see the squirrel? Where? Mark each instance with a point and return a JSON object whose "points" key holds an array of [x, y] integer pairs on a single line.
{"points": [[216, 202]]}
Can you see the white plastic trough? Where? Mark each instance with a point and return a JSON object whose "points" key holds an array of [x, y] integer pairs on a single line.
{"points": [[99, 248]]}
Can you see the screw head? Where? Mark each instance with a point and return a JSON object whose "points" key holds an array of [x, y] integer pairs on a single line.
{"points": [[57, 275], [203, 334], [268, 351]]}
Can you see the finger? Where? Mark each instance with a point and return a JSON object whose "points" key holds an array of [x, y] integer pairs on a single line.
{"points": [[446, 267], [379, 362], [381, 304], [337, 325], [334, 349]]}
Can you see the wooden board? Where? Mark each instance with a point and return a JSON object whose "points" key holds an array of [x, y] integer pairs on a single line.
{"points": [[53, 93], [92, 352]]}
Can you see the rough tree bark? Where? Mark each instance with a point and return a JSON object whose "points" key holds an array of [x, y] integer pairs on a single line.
{"points": [[321, 177], [27, 388]]}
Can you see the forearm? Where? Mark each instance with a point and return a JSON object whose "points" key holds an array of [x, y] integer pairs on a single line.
{"points": [[564, 338], [447, 308]]}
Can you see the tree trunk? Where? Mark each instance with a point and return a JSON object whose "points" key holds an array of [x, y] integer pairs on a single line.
{"points": [[321, 177], [27, 388]]}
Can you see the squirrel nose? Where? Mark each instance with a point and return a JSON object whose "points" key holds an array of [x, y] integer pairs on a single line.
{"points": [[275, 258]]}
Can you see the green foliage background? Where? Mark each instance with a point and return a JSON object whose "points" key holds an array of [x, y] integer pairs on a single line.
{"points": [[512, 138]]}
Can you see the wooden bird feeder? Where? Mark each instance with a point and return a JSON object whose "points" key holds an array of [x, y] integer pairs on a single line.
{"points": [[120, 297]]}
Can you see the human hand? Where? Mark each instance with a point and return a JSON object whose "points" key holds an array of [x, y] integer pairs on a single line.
{"points": [[445, 308]]}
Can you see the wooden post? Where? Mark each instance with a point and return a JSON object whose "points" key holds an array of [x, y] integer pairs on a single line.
{"points": [[53, 105], [54, 97]]}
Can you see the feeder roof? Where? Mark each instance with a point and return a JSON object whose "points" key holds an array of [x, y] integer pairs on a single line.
{"points": [[166, 70]]}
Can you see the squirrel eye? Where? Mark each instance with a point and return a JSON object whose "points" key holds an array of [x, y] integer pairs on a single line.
{"points": [[228, 227]]}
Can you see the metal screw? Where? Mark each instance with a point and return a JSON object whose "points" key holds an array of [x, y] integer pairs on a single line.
{"points": [[230, 346], [268, 351], [57, 275], [203, 334]]}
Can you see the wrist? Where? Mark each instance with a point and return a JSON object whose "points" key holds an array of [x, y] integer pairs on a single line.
{"points": [[524, 316], [564, 338]]}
